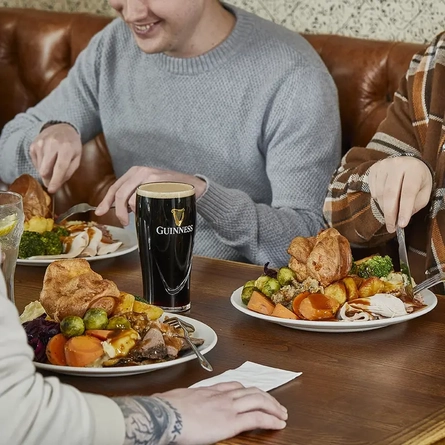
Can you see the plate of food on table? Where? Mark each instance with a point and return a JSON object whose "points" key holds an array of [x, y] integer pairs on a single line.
{"points": [[323, 289], [44, 241], [84, 325]]}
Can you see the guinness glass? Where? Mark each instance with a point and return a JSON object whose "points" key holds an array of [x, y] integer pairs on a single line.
{"points": [[165, 224]]}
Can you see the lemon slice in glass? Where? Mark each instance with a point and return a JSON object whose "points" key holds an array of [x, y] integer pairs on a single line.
{"points": [[7, 224]]}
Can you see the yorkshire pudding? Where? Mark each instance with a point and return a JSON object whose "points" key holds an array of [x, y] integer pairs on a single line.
{"points": [[326, 257], [36, 202], [70, 287]]}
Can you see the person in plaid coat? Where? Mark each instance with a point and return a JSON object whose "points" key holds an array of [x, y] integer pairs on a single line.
{"points": [[398, 179]]}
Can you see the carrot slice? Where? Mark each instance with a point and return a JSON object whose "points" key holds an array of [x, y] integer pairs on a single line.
{"points": [[318, 307], [101, 334], [260, 303], [283, 312], [55, 350], [297, 301], [82, 350]]}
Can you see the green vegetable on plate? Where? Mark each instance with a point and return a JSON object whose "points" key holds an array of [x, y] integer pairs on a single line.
{"points": [[95, 318], [72, 326]]}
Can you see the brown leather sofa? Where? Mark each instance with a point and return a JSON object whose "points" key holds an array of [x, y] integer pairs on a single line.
{"points": [[37, 48]]}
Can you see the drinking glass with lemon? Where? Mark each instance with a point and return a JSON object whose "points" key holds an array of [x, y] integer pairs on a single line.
{"points": [[11, 229]]}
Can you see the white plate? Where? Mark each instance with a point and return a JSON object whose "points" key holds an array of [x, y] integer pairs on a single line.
{"points": [[201, 331], [336, 326], [129, 243]]}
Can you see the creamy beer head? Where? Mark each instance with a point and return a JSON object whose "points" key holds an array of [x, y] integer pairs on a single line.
{"points": [[166, 190], [165, 224]]}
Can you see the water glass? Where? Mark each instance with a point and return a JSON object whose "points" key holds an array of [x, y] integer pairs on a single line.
{"points": [[11, 229]]}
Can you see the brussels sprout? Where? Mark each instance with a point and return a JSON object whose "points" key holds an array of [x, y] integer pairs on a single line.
{"points": [[250, 283], [246, 293], [118, 322], [261, 281], [270, 287], [95, 318], [285, 275], [72, 326]]}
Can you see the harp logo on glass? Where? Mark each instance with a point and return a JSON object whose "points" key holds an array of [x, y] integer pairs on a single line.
{"points": [[178, 215]]}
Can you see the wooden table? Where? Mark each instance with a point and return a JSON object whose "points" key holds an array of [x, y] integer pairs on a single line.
{"points": [[378, 387]]}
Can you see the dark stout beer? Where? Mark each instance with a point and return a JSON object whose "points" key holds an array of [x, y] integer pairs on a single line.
{"points": [[165, 223]]}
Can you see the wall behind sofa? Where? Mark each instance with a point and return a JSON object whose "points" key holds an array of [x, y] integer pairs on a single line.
{"points": [[407, 20]]}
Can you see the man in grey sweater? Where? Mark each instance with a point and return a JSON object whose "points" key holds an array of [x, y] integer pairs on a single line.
{"points": [[199, 92]]}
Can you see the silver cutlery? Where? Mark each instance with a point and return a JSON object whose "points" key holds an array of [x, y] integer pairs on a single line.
{"points": [[404, 264], [78, 208], [53, 206], [177, 323], [430, 282]]}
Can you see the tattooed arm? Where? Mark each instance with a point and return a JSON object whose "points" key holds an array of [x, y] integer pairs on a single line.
{"points": [[150, 421], [199, 416]]}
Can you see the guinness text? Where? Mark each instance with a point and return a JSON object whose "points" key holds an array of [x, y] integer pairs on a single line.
{"points": [[173, 230]]}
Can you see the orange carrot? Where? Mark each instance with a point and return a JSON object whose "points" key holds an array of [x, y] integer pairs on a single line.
{"points": [[82, 350], [283, 312], [297, 301], [101, 334], [260, 303], [55, 350], [318, 307]]}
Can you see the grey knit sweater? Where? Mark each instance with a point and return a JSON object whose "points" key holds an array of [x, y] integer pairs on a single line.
{"points": [[257, 118]]}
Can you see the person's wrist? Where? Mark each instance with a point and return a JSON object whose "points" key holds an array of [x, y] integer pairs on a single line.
{"points": [[52, 123], [200, 185]]}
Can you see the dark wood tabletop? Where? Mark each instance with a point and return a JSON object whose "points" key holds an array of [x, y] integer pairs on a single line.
{"points": [[385, 386]]}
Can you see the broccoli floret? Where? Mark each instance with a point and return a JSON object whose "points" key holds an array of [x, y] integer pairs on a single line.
{"points": [[375, 266], [31, 244], [53, 245], [138, 298], [61, 231]]}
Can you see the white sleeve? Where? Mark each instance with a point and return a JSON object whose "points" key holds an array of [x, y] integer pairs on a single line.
{"points": [[37, 410]]}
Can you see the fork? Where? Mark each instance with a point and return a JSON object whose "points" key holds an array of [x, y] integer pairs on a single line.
{"points": [[78, 208], [430, 282], [177, 323]]}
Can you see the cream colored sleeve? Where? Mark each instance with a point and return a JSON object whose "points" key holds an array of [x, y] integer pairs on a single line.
{"points": [[37, 410]]}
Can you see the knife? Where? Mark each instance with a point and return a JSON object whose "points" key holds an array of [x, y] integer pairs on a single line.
{"points": [[404, 263], [53, 206]]}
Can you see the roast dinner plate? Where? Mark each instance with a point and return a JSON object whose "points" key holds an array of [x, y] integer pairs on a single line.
{"points": [[129, 244], [201, 331], [337, 326]]}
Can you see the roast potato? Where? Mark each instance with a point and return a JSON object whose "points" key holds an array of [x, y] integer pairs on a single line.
{"points": [[337, 291], [351, 288], [370, 287]]}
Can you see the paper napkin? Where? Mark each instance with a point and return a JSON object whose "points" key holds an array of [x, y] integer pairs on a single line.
{"points": [[252, 374]]}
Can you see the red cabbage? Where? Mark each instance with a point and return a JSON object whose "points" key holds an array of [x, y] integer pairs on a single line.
{"points": [[272, 273], [40, 332]]}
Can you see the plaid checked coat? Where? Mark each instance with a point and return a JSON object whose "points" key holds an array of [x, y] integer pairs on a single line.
{"points": [[415, 127]]}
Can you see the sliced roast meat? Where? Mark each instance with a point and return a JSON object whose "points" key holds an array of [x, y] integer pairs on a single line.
{"points": [[152, 346]]}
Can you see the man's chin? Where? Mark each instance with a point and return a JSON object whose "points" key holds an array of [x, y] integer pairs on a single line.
{"points": [[149, 49], [148, 46]]}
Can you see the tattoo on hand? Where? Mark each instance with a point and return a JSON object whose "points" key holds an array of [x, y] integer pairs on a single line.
{"points": [[150, 421]]}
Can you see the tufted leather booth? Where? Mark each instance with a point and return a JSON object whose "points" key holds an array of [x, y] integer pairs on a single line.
{"points": [[37, 48]]}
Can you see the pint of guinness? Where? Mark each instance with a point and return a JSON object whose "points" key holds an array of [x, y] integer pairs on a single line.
{"points": [[165, 224]]}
